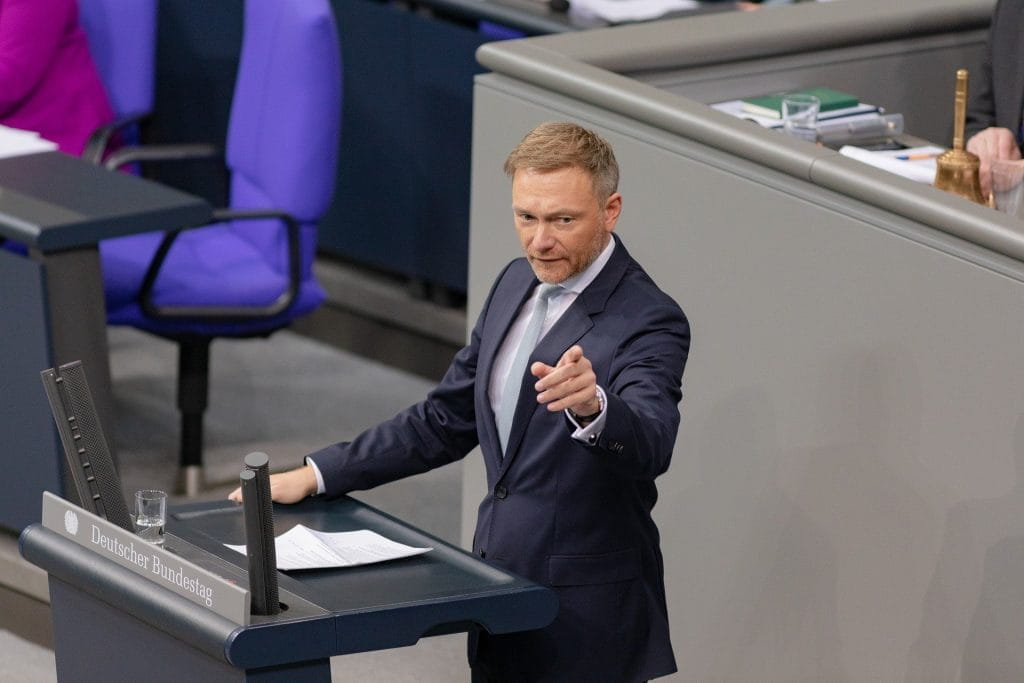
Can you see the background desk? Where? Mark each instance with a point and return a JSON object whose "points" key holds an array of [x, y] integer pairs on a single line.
{"points": [[52, 305], [112, 624], [846, 500]]}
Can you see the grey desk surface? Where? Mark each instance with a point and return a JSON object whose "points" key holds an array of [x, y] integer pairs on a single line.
{"points": [[53, 202]]}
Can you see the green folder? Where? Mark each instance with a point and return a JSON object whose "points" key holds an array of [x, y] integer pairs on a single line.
{"points": [[771, 105]]}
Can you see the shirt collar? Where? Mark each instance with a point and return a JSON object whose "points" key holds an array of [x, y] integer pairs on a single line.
{"points": [[577, 283]]}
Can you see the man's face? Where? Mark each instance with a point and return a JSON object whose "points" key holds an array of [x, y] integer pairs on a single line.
{"points": [[562, 224]]}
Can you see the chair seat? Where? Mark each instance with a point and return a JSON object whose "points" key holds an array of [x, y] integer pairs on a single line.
{"points": [[209, 266]]}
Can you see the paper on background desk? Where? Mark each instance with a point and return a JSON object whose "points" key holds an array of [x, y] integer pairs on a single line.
{"points": [[735, 108], [617, 11], [303, 548], [922, 170], [15, 142]]}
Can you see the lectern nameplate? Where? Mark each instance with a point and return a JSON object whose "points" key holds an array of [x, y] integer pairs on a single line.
{"points": [[162, 567]]}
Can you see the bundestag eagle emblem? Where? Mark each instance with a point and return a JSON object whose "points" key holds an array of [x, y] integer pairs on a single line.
{"points": [[71, 522]]}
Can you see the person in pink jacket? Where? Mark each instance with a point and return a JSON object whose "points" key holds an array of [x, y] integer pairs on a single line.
{"points": [[48, 81]]}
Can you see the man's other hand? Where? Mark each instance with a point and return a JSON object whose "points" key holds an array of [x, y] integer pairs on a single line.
{"points": [[287, 487], [992, 144], [570, 384]]}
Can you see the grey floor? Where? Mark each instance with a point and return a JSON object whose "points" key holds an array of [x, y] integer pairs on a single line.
{"points": [[286, 396]]}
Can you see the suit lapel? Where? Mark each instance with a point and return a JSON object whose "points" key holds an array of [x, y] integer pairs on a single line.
{"points": [[505, 305], [577, 320]]}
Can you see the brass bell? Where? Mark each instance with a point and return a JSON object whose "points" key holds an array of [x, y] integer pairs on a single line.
{"points": [[957, 170]]}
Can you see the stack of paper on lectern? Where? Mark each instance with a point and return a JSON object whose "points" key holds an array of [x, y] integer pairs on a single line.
{"points": [[303, 548], [770, 106], [735, 108], [915, 163]]}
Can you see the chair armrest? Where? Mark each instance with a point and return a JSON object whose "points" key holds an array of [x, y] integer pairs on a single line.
{"points": [[100, 138], [129, 155], [227, 312]]}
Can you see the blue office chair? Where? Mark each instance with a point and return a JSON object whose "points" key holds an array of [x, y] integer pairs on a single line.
{"points": [[250, 273], [122, 41]]}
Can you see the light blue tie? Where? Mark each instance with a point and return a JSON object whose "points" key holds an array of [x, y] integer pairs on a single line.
{"points": [[510, 396]]}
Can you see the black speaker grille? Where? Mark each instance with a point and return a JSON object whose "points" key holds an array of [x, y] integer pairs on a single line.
{"points": [[85, 447]]}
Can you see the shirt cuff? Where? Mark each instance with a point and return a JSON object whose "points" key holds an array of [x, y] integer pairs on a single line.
{"points": [[320, 488], [589, 433]]}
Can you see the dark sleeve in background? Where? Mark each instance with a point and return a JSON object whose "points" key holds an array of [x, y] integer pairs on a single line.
{"points": [[996, 93], [980, 107]]}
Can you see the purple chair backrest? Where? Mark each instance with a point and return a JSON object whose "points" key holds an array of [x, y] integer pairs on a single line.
{"points": [[122, 40], [282, 144]]}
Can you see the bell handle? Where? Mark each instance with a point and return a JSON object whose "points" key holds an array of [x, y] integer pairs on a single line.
{"points": [[960, 109]]}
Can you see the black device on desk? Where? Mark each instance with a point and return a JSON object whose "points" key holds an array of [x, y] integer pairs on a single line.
{"points": [[86, 450], [259, 534]]}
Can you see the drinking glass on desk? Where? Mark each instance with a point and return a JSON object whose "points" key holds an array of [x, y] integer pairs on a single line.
{"points": [[150, 515], [800, 116], [1008, 186]]}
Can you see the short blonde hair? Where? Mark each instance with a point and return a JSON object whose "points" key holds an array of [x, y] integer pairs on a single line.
{"points": [[560, 144]]}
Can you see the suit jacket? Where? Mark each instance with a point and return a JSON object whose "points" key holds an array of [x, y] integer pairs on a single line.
{"points": [[48, 82], [996, 94], [570, 515]]}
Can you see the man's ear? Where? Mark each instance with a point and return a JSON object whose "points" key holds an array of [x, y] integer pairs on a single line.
{"points": [[612, 209]]}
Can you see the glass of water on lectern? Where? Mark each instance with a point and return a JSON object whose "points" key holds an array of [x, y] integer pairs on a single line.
{"points": [[150, 515], [800, 116]]}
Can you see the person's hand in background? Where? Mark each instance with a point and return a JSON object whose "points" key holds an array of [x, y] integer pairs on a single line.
{"points": [[992, 144]]}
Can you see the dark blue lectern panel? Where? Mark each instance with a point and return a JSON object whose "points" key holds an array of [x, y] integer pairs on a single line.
{"points": [[31, 457]]}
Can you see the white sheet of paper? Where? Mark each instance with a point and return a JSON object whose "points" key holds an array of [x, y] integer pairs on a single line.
{"points": [[15, 142], [920, 170], [616, 11], [303, 548]]}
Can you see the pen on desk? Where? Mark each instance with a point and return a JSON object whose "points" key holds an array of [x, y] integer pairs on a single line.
{"points": [[917, 157]]}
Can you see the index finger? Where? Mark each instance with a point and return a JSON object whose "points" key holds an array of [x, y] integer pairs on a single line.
{"points": [[572, 355]]}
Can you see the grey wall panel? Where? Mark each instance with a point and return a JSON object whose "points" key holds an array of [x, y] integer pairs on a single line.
{"points": [[844, 501]]}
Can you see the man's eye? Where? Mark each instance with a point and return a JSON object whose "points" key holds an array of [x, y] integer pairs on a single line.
{"points": [[565, 220]]}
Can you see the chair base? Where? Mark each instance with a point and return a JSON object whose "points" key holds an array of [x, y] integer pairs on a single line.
{"points": [[191, 480]]}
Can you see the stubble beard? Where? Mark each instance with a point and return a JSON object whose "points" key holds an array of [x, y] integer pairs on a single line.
{"points": [[596, 246]]}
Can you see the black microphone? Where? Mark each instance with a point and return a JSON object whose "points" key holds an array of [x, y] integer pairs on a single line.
{"points": [[259, 534]]}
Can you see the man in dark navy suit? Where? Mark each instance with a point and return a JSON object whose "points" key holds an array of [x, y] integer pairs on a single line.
{"points": [[570, 385]]}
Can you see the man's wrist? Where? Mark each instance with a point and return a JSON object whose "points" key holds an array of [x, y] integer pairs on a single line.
{"points": [[583, 420], [318, 478], [310, 480]]}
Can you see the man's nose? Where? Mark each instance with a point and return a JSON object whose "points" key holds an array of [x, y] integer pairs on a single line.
{"points": [[543, 238]]}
